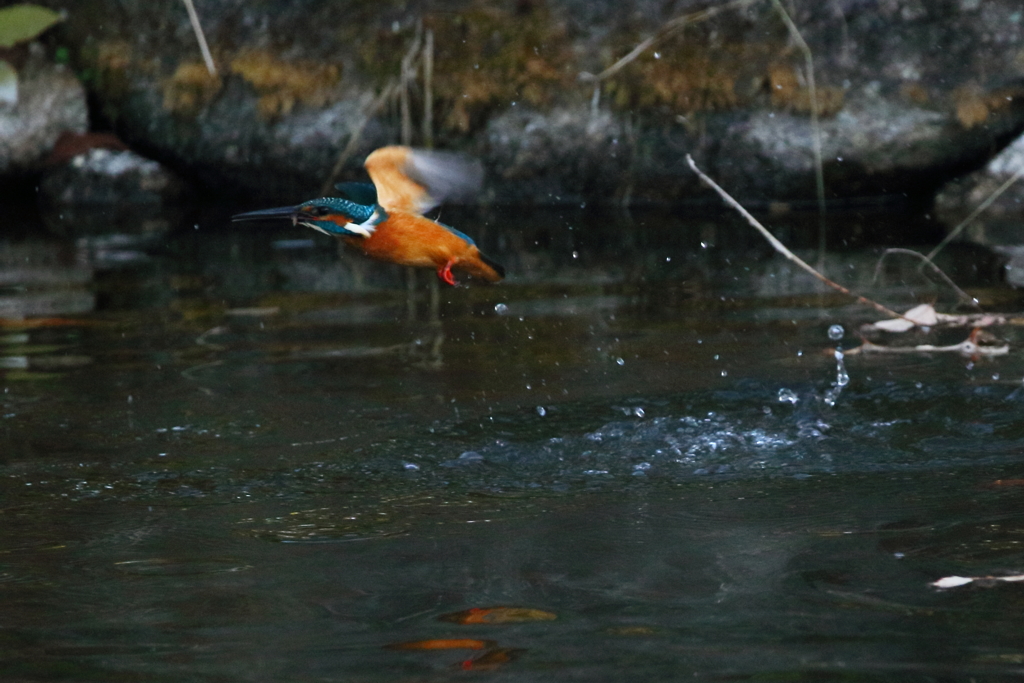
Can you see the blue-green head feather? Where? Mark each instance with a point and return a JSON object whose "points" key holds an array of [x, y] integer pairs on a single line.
{"points": [[330, 215]]}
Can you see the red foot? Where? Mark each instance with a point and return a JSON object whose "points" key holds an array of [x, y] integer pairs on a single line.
{"points": [[445, 273]]}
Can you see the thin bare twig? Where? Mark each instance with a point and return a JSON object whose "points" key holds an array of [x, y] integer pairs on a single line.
{"points": [[780, 247], [428, 90], [667, 29], [406, 78], [925, 262], [819, 173], [926, 316], [974, 214], [201, 37], [357, 133], [968, 347]]}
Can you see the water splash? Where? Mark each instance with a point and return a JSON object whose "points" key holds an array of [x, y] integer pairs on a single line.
{"points": [[788, 396], [835, 333]]}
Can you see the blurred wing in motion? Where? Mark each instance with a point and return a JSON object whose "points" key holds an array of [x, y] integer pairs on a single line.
{"points": [[360, 193], [417, 180]]}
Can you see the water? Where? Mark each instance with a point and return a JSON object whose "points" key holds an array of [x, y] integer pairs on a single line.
{"points": [[232, 455]]}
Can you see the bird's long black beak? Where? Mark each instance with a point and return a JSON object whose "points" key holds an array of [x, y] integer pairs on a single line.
{"points": [[289, 212]]}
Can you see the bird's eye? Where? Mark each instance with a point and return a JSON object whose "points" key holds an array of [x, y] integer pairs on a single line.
{"points": [[320, 211]]}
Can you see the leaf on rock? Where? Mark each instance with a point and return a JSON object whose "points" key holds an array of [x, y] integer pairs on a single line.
{"points": [[21, 23], [497, 615]]}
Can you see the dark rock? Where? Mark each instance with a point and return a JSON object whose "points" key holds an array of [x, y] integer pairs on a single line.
{"points": [[69, 145], [108, 190], [104, 176], [998, 225], [50, 101], [910, 93], [959, 198]]}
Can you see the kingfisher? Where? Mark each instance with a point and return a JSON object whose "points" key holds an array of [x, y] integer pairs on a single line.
{"points": [[385, 220]]}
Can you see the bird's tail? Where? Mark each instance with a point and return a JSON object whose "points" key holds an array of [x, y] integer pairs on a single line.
{"points": [[482, 267]]}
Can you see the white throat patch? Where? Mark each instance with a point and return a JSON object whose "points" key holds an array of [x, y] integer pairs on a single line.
{"points": [[366, 228]]}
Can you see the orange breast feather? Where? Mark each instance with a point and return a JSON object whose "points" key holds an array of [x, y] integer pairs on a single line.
{"points": [[412, 240]]}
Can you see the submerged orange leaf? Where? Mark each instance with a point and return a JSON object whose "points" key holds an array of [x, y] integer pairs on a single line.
{"points": [[30, 323], [498, 615], [443, 644], [492, 659]]}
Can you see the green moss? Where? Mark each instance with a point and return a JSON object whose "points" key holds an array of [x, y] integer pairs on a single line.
{"points": [[692, 74], [484, 57], [488, 57], [283, 84]]}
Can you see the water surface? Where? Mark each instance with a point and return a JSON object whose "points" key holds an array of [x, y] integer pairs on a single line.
{"points": [[234, 455]]}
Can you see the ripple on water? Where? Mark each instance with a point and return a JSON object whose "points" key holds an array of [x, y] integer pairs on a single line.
{"points": [[742, 433]]}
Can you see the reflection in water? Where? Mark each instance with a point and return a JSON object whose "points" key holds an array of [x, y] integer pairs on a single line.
{"points": [[252, 458]]}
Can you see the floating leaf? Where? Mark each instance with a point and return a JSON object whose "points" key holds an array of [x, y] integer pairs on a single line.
{"points": [[952, 581], [21, 23], [955, 581], [497, 615], [444, 644], [8, 84], [492, 659], [923, 315]]}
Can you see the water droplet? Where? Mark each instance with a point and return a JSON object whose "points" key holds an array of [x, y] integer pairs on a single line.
{"points": [[620, 361], [995, 377], [575, 254], [410, 466], [500, 309], [842, 376], [788, 396], [638, 411], [657, 55], [541, 411], [725, 373], [836, 332]]}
